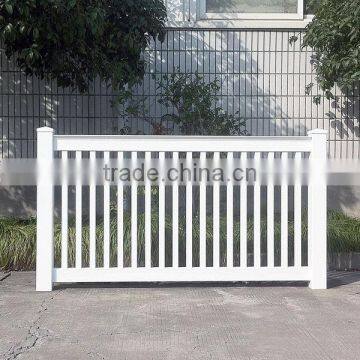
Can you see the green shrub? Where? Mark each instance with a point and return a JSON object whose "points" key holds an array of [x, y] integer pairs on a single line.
{"points": [[334, 35], [18, 240], [343, 233], [193, 105]]}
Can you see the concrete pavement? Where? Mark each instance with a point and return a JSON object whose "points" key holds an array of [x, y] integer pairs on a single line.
{"points": [[231, 321]]}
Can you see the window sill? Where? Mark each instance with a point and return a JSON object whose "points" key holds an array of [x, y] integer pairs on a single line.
{"points": [[242, 24]]}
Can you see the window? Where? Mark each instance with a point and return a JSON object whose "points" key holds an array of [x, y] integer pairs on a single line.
{"points": [[254, 9], [252, 6]]}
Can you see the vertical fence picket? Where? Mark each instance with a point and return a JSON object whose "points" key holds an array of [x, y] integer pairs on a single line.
{"points": [[175, 216], [284, 209], [216, 216], [189, 213], [257, 215], [202, 219], [78, 211], [230, 213], [270, 210], [161, 213], [134, 213], [64, 209], [106, 215], [147, 213], [297, 210], [243, 214], [120, 215], [92, 210]]}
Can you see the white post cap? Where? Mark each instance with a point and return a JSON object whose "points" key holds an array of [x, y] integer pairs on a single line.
{"points": [[45, 129]]}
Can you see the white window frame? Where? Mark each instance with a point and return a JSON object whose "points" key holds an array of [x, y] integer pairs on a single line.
{"points": [[203, 15]]}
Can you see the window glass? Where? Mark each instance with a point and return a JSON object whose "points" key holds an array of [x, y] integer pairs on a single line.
{"points": [[251, 6]]}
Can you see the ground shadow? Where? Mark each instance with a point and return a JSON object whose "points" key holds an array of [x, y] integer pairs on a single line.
{"points": [[341, 278], [141, 285], [335, 279]]}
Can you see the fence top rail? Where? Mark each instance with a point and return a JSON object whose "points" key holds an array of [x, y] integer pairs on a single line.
{"points": [[167, 143]]}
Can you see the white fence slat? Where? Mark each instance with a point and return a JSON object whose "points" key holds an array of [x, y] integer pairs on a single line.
{"points": [[181, 143], [230, 214], [134, 214], [92, 210], [202, 213], [270, 211], [78, 211], [243, 214], [161, 214], [284, 209], [189, 213], [147, 213], [64, 209], [106, 215], [175, 216], [216, 216], [180, 274], [297, 211], [257, 216], [120, 215]]}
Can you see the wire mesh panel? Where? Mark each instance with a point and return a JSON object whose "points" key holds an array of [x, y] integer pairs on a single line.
{"points": [[261, 77]]}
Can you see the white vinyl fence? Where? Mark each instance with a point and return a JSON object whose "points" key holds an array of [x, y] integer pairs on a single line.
{"points": [[175, 245]]}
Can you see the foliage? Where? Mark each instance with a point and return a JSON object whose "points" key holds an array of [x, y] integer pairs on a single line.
{"points": [[74, 41], [310, 6], [18, 239], [343, 233], [194, 106], [334, 35]]}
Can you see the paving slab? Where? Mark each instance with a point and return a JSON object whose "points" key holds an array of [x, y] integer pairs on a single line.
{"points": [[221, 321]]}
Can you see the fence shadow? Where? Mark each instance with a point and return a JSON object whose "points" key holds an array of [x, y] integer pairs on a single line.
{"points": [[335, 279], [168, 285], [341, 278]]}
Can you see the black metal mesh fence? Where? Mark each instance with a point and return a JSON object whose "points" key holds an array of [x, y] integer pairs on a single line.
{"points": [[261, 76]]}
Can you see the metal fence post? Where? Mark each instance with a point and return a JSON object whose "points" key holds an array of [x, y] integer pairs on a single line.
{"points": [[45, 209], [318, 210]]}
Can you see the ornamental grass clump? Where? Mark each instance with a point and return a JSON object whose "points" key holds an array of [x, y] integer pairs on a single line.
{"points": [[18, 240]]}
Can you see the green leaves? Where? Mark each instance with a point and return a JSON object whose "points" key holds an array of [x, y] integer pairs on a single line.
{"points": [[71, 3], [334, 35], [9, 8], [194, 107], [75, 41]]}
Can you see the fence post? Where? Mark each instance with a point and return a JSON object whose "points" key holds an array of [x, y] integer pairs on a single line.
{"points": [[45, 209], [318, 210]]}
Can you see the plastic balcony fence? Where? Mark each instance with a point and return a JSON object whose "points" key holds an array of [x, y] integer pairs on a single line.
{"points": [[177, 245]]}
